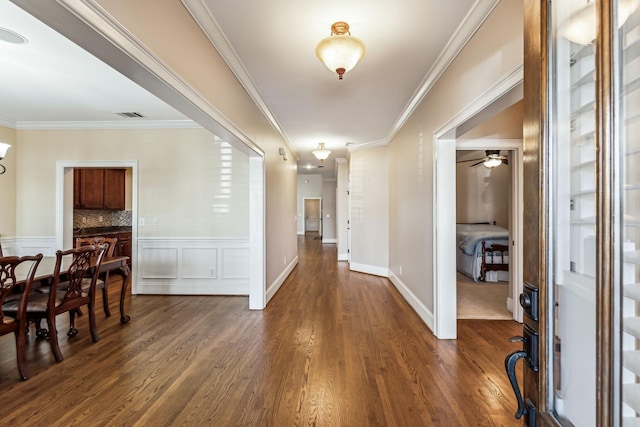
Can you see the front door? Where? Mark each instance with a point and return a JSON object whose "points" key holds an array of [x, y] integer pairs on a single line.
{"points": [[582, 214]]}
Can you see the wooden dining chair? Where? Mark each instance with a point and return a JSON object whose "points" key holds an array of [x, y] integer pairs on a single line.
{"points": [[16, 295], [72, 288], [103, 278]]}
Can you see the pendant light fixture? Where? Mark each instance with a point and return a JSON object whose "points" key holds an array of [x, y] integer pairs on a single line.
{"points": [[340, 52], [321, 153]]}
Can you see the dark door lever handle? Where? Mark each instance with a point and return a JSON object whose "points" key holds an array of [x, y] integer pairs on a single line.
{"points": [[518, 338], [510, 365]]}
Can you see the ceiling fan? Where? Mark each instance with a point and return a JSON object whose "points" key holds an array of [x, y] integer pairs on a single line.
{"points": [[493, 159]]}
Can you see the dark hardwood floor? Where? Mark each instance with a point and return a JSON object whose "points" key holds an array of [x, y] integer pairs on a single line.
{"points": [[333, 348]]}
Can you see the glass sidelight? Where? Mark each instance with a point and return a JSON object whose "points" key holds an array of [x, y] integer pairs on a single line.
{"points": [[594, 218], [572, 193], [628, 73]]}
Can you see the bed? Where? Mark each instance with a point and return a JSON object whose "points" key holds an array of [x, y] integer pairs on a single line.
{"points": [[483, 252]]}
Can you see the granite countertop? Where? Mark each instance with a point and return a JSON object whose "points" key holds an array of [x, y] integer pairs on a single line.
{"points": [[92, 231]]}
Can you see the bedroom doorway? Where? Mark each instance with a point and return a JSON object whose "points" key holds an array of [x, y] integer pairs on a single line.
{"points": [[484, 203], [504, 94]]}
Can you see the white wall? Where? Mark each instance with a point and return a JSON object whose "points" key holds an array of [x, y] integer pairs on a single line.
{"points": [[495, 51], [369, 211]]}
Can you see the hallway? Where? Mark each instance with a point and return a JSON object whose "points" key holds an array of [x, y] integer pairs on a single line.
{"points": [[333, 348]]}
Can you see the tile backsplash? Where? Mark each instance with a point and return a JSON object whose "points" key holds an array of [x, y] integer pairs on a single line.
{"points": [[85, 218]]}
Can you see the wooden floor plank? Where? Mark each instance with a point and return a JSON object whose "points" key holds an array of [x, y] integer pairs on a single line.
{"points": [[332, 348]]}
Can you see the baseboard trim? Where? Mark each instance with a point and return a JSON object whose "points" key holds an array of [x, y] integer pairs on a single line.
{"points": [[273, 287], [329, 241], [421, 310], [510, 304], [369, 269], [343, 257]]}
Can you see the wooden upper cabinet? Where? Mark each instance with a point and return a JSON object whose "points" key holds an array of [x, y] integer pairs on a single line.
{"points": [[96, 188], [114, 190]]}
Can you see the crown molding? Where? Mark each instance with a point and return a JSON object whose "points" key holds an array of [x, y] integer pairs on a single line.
{"points": [[479, 12], [141, 124], [107, 39], [203, 16], [367, 145]]}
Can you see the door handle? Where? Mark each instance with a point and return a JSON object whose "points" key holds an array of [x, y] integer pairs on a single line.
{"points": [[510, 366], [530, 355]]}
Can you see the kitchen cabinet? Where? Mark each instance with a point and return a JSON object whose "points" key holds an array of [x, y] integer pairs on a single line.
{"points": [[96, 188], [123, 247]]}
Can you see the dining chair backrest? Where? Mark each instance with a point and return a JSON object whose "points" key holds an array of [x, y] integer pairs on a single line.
{"points": [[99, 240], [9, 280], [85, 264]]}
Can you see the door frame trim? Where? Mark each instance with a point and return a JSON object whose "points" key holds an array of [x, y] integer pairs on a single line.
{"points": [[304, 213], [444, 146]]}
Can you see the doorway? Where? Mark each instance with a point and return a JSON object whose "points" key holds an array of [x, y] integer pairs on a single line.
{"points": [[312, 214], [504, 94], [484, 203], [65, 208]]}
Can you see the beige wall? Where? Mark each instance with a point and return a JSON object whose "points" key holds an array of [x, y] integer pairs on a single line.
{"points": [[180, 179], [483, 194], [166, 28], [493, 53], [8, 185], [369, 210]]}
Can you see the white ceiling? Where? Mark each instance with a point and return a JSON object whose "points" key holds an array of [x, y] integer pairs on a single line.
{"points": [[270, 45]]}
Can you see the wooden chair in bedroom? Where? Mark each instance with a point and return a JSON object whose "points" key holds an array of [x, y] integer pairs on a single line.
{"points": [[497, 254]]}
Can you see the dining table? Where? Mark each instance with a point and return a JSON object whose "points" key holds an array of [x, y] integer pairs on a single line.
{"points": [[117, 265]]}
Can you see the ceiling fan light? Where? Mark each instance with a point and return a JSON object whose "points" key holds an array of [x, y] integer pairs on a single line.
{"points": [[340, 52], [321, 153], [492, 162]]}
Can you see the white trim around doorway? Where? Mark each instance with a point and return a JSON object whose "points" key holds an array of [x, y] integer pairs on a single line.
{"points": [[444, 206]]}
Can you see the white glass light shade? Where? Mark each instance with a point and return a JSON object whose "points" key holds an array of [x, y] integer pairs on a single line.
{"points": [[580, 27], [492, 162], [3, 149], [340, 52], [321, 153]]}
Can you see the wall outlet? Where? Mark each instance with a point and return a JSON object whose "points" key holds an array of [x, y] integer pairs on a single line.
{"points": [[155, 221], [401, 270], [142, 222], [285, 260], [212, 272]]}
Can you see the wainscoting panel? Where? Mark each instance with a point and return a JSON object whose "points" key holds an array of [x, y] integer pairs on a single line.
{"points": [[192, 266], [21, 246], [159, 263], [199, 263], [235, 263]]}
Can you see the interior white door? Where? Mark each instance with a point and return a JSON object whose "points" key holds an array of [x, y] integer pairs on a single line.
{"points": [[312, 215]]}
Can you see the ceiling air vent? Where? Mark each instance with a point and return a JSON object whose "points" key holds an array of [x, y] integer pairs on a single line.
{"points": [[130, 115]]}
